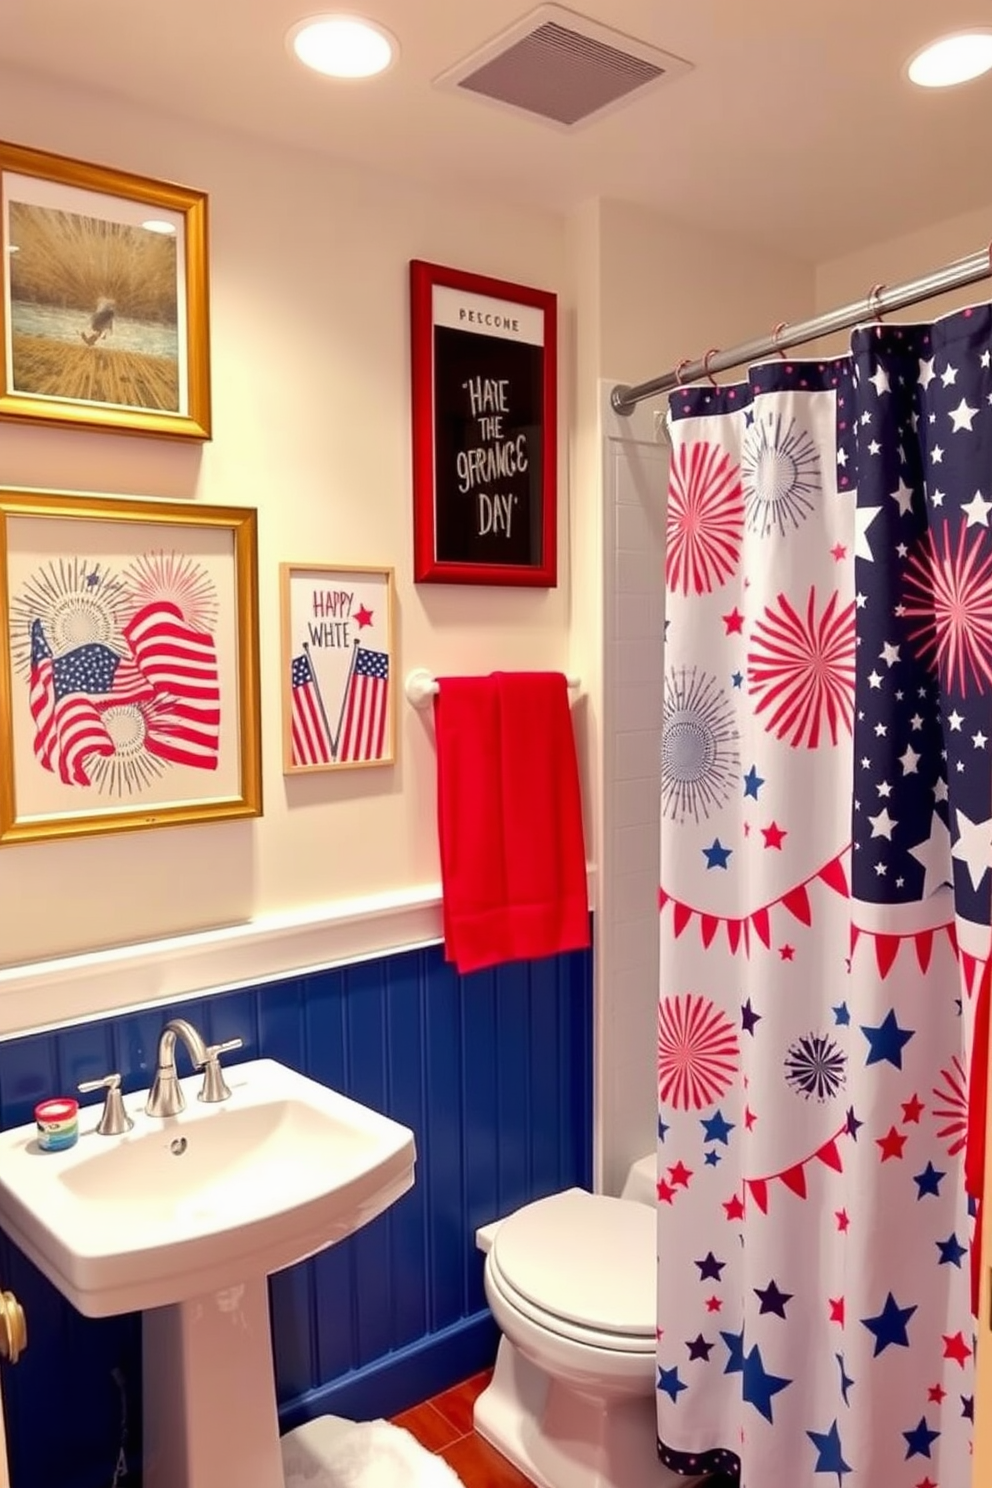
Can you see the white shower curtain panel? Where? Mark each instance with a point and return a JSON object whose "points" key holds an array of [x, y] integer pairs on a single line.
{"points": [[825, 896]]}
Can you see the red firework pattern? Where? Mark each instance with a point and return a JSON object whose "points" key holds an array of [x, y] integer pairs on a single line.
{"points": [[705, 522], [801, 671], [948, 593], [952, 1109], [697, 1052]]}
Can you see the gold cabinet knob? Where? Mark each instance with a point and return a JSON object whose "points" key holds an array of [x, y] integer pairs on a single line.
{"points": [[13, 1328]]}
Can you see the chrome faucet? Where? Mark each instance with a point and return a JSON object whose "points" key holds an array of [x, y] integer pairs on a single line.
{"points": [[166, 1097]]}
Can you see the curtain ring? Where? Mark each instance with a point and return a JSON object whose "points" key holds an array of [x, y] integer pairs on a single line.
{"points": [[775, 335], [873, 305], [678, 370], [706, 365]]}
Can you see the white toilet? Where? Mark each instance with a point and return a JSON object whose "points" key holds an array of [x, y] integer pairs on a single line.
{"points": [[571, 1282]]}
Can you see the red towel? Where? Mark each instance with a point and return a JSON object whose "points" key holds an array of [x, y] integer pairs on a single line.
{"points": [[513, 862]]}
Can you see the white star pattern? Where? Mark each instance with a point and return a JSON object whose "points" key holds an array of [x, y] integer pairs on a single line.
{"points": [[934, 855], [910, 760], [903, 496], [882, 824], [863, 518], [978, 510], [880, 380], [973, 847], [949, 376], [962, 417]]}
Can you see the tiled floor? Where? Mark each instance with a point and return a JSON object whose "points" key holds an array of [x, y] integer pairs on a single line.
{"points": [[444, 1425]]}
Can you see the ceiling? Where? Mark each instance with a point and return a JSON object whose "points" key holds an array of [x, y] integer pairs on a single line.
{"points": [[795, 127]]}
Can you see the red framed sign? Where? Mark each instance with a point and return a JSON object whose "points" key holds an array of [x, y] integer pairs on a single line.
{"points": [[484, 383]]}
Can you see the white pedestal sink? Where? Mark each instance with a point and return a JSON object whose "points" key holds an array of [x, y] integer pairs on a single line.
{"points": [[184, 1218]]}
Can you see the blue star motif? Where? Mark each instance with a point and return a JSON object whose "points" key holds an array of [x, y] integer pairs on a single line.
{"points": [[853, 1124], [952, 1252], [717, 855], [662, 1129], [845, 1380], [735, 1345], [889, 1326], [712, 1158], [919, 1439], [710, 1267], [717, 1128], [887, 1040], [928, 1182], [749, 1017], [831, 1456], [968, 1407], [752, 784], [737, 678], [668, 1380], [759, 1385], [92, 579], [841, 1015], [699, 1348]]}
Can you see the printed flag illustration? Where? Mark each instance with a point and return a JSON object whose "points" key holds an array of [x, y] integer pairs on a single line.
{"points": [[114, 715], [362, 732], [311, 735], [826, 821]]}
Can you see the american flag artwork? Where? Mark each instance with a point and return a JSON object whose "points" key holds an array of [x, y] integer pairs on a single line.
{"points": [[362, 732], [120, 686], [310, 732], [825, 904]]}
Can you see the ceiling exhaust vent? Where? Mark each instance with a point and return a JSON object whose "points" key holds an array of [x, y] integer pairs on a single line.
{"points": [[562, 68]]}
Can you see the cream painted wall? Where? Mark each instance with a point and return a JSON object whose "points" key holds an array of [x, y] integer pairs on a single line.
{"points": [[842, 281], [311, 408]]}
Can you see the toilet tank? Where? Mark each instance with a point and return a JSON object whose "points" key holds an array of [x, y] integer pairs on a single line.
{"points": [[641, 1184]]}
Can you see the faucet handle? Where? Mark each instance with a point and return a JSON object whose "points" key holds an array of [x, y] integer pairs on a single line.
{"points": [[215, 1087], [114, 1121]]}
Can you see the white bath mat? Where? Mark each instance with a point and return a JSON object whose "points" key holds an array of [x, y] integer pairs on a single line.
{"points": [[334, 1453]]}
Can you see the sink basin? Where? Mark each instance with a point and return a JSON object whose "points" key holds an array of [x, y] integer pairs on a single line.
{"points": [[189, 1204]]}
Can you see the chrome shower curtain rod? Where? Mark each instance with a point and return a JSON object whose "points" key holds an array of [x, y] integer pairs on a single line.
{"points": [[882, 298]]}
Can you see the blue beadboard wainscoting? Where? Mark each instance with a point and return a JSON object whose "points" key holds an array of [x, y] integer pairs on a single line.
{"points": [[493, 1072]]}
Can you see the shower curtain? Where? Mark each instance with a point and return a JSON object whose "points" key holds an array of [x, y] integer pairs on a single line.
{"points": [[825, 905]]}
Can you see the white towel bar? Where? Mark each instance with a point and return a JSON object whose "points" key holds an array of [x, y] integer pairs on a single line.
{"points": [[421, 685]]}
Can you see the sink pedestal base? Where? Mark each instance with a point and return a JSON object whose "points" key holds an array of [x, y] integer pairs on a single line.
{"points": [[209, 1398]]}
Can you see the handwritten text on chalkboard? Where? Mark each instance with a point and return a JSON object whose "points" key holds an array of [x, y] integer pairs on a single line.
{"points": [[494, 458]]}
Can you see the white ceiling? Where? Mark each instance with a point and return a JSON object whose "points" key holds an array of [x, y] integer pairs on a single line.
{"points": [[796, 126]]}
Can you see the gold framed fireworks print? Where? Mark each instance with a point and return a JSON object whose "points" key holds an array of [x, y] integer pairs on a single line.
{"points": [[338, 667], [129, 678], [104, 303]]}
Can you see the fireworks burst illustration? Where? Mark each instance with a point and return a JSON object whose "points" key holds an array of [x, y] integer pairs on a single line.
{"points": [[952, 1107], [948, 594], [131, 767], [77, 600], [780, 472], [815, 1067], [705, 520], [697, 1052], [177, 577], [801, 671], [700, 763]]}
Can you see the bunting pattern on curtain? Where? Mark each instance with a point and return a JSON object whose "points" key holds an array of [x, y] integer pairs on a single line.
{"points": [[825, 907]]}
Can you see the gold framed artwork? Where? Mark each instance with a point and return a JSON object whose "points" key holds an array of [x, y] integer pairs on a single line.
{"points": [[129, 677], [104, 302], [338, 667]]}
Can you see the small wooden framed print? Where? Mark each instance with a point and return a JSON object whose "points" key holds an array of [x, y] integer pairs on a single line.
{"points": [[484, 388], [338, 668]]}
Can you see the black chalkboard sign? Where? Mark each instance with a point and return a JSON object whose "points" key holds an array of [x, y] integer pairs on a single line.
{"points": [[484, 429]]}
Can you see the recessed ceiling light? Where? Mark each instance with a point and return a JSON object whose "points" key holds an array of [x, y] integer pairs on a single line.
{"points": [[952, 59], [343, 46], [156, 225]]}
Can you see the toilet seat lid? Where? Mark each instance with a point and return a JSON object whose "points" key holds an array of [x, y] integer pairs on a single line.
{"points": [[585, 1258]]}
